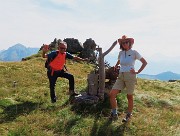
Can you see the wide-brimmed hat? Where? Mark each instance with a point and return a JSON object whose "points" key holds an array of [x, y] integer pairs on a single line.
{"points": [[125, 38]]}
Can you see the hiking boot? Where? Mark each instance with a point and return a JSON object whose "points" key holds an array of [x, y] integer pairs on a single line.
{"points": [[72, 93], [53, 100], [113, 117], [126, 119]]}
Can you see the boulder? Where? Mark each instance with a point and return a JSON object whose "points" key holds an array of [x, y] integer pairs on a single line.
{"points": [[89, 50], [73, 45], [53, 45]]}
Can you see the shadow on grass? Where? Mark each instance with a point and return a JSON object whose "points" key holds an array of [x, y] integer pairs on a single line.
{"points": [[99, 113], [68, 126], [102, 126], [98, 109], [11, 112], [107, 129], [120, 130]]}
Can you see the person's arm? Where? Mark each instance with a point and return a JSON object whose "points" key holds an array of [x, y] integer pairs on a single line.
{"points": [[118, 61], [112, 46], [144, 63], [78, 58], [117, 64]]}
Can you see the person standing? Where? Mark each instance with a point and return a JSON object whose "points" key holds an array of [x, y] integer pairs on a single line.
{"points": [[127, 75], [55, 68]]}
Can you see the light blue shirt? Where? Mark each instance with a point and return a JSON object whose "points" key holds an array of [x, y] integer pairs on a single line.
{"points": [[127, 59]]}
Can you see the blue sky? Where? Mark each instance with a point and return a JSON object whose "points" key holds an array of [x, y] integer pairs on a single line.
{"points": [[155, 26]]}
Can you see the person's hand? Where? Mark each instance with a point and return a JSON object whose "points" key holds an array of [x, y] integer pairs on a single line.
{"points": [[115, 68], [86, 59], [133, 71], [45, 47]]}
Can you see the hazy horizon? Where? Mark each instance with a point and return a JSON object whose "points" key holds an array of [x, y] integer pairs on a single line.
{"points": [[154, 67], [155, 25]]}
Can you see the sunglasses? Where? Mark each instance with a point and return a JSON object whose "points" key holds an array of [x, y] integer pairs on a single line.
{"points": [[125, 42], [62, 48]]}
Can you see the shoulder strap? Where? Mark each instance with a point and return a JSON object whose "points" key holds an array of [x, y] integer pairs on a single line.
{"points": [[65, 64], [50, 59], [55, 55]]}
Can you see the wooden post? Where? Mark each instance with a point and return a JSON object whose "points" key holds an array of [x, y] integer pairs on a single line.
{"points": [[101, 74], [102, 70]]}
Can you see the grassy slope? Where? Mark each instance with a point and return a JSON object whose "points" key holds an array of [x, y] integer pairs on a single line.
{"points": [[26, 108]]}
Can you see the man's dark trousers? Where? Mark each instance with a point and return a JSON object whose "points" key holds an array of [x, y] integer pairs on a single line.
{"points": [[53, 78]]}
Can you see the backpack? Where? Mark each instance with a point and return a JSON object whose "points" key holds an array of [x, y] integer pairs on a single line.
{"points": [[50, 59]]}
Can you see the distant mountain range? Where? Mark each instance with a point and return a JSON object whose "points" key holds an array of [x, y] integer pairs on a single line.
{"points": [[165, 76], [17, 52]]}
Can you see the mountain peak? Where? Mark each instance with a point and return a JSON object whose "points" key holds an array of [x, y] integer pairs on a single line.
{"points": [[17, 46], [17, 52], [166, 73]]}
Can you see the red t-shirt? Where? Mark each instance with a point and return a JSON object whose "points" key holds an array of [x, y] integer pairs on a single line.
{"points": [[59, 62]]}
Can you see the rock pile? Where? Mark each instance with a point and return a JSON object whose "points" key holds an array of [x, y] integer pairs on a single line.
{"points": [[89, 50], [74, 46]]}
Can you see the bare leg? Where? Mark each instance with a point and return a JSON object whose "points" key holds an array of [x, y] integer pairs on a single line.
{"points": [[113, 101], [130, 103], [130, 108]]}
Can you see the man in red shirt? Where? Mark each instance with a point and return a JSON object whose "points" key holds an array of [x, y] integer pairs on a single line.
{"points": [[56, 68]]}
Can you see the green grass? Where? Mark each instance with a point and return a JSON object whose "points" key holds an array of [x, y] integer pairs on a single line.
{"points": [[26, 110]]}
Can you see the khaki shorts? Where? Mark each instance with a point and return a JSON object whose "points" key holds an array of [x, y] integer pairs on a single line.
{"points": [[125, 80]]}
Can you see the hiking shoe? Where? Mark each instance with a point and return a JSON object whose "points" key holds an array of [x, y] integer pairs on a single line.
{"points": [[53, 100], [126, 119], [113, 117], [72, 93]]}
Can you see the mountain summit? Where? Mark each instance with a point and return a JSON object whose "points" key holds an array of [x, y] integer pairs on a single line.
{"points": [[17, 52]]}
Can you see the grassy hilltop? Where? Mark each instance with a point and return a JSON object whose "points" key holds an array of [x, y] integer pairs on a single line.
{"points": [[26, 110]]}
